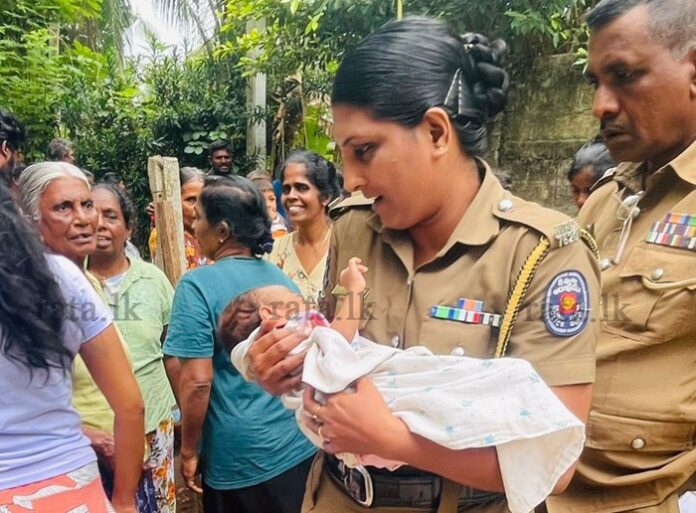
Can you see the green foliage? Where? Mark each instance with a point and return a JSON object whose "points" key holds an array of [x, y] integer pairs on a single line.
{"points": [[62, 72]]}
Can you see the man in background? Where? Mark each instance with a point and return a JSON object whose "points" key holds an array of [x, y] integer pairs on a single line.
{"points": [[220, 158], [12, 136], [640, 454]]}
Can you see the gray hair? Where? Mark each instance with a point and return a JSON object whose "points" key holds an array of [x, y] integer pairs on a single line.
{"points": [[594, 154], [191, 174], [672, 22], [36, 178], [58, 149]]}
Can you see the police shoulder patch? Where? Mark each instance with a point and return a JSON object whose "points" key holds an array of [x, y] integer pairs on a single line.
{"points": [[566, 306]]}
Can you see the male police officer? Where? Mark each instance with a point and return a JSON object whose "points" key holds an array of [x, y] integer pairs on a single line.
{"points": [[640, 453]]}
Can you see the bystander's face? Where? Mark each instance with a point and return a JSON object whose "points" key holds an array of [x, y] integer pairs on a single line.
{"points": [[69, 156], [580, 185], [189, 196], [68, 220], [8, 161], [270, 198], [112, 232], [206, 235], [390, 163], [221, 161], [300, 196], [645, 96]]}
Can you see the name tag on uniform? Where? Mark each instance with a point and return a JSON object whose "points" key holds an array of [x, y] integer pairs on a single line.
{"points": [[469, 311], [674, 230], [566, 233]]}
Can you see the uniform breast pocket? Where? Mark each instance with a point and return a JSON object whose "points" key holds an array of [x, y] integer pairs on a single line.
{"points": [[457, 338], [618, 433], [657, 291]]}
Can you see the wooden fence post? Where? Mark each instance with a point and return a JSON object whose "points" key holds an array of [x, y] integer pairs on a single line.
{"points": [[163, 173]]}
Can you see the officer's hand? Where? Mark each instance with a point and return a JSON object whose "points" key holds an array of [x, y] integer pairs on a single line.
{"points": [[359, 422], [268, 356]]}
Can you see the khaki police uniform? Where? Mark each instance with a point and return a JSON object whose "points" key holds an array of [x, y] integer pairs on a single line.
{"points": [[480, 261], [640, 435]]}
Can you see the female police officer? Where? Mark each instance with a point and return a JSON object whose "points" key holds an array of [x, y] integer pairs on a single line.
{"points": [[411, 105]]}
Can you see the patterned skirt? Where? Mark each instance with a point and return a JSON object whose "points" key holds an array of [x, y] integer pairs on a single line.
{"points": [[157, 490]]}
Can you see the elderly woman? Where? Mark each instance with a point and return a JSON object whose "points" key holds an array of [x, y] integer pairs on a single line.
{"points": [[309, 184], [140, 298], [454, 260], [57, 198], [191, 185], [253, 458], [591, 161]]}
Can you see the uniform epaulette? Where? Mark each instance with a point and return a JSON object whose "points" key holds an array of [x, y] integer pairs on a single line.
{"points": [[342, 205], [558, 228], [607, 177]]}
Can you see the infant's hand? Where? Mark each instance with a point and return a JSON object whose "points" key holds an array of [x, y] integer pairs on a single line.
{"points": [[352, 277]]}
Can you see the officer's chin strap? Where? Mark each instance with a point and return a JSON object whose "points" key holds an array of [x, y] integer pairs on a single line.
{"points": [[627, 212]]}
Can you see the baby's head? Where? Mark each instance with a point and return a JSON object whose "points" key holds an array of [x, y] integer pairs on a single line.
{"points": [[246, 312]]}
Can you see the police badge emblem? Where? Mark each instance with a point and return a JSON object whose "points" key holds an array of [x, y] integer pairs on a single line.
{"points": [[566, 306]]}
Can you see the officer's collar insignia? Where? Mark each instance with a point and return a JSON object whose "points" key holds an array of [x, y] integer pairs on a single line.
{"points": [[674, 230], [567, 304], [566, 233], [469, 311]]}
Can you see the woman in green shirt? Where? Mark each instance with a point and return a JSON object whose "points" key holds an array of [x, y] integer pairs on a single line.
{"points": [[140, 297]]}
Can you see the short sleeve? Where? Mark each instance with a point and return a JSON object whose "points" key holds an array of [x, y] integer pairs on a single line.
{"points": [[558, 324], [167, 295], [327, 301], [86, 313], [191, 333]]}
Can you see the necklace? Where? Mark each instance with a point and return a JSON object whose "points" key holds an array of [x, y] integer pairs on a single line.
{"points": [[315, 247], [231, 253]]}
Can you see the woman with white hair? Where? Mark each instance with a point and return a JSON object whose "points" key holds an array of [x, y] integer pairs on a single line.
{"points": [[56, 196]]}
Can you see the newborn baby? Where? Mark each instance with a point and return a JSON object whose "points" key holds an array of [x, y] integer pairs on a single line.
{"points": [[455, 401]]}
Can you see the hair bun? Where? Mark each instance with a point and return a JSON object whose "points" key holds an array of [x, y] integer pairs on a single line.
{"points": [[482, 64], [264, 244]]}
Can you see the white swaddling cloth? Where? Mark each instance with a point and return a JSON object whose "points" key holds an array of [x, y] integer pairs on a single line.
{"points": [[457, 402]]}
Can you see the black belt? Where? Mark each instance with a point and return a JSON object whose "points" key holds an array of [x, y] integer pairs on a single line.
{"points": [[406, 487]]}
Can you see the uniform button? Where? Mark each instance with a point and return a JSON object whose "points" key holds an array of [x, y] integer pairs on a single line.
{"points": [[395, 341], [657, 273], [505, 205], [604, 264], [638, 444], [458, 351]]}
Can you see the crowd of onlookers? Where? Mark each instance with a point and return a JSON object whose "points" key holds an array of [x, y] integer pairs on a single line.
{"points": [[128, 310], [102, 359], [124, 309]]}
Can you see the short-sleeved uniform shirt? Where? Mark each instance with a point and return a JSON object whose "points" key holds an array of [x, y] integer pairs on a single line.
{"points": [[141, 307], [480, 262], [248, 436], [40, 432], [642, 426]]}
